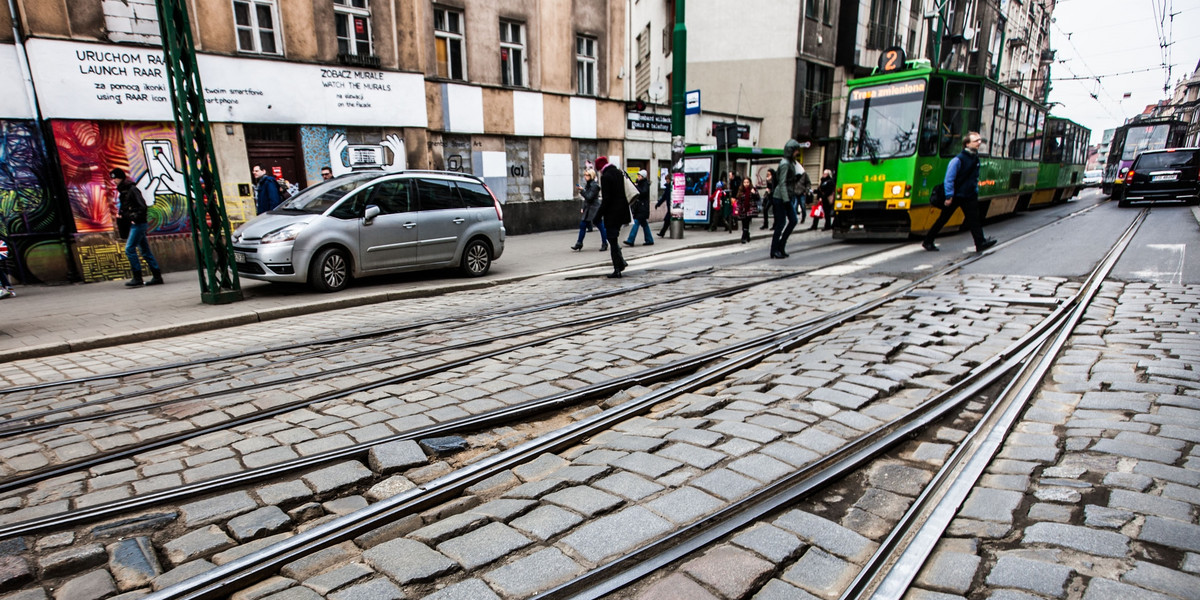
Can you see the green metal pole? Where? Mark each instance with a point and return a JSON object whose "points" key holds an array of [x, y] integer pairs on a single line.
{"points": [[678, 71], [206, 207], [937, 36]]}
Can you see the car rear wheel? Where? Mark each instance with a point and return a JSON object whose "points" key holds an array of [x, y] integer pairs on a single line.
{"points": [[330, 271], [476, 259]]}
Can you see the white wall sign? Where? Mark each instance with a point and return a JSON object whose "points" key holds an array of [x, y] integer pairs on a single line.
{"points": [[14, 102], [112, 82]]}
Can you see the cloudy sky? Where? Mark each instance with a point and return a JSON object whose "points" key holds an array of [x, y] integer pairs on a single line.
{"points": [[1110, 38]]}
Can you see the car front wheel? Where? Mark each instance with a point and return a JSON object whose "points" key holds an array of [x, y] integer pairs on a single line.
{"points": [[476, 259], [330, 271]]}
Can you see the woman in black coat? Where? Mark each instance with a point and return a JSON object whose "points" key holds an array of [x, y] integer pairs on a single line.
{"points": [[590, 192], [614, 210]]}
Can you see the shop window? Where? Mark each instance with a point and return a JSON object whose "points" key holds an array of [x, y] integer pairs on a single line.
{"points": [[352, 19], [255, 23], [512, 53], [585, 65], [450, 44]]}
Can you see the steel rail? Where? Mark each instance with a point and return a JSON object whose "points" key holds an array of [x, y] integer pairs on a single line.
{"points": [[891, 569], [463, 424], [464, 320], [681, 543], [218, 581], [9, 429]]}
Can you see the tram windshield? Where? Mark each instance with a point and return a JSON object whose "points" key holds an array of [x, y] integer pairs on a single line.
{"points": [[883, 121], [1142, 138]]}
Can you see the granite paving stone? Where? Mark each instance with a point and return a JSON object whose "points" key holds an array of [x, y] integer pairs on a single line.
{"points": [[1034, 575], [1106, 589], [504, 509], [676, 586], [647, 464], [773, 543], [1161, 579], [483, 545], [72, 560], [776, 589], [91, 586], [761, 467], [309, 565], [584, 500], [821, 573], [1171, 533], [181, 573], [265, 521], [1084, 539], [628, 485], [444, 529], [471, 589], [950, 572], [726, 484], [534, 573], [133, 563], [375, 589], [546, 522], [540, 467], [407, 561], [991, 505], [746, 431], [197, 544], [684, 505], [220, 508], [1150, 505], [616, 533], [701, 458], [828, 535], [334, 579], [790, 453], [337, 477], [388, 458], [731, 571]]}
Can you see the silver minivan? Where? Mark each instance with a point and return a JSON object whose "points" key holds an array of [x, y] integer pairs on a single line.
{"points": [[374, 223]]}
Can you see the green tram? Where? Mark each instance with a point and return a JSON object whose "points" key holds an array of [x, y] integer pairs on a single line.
{"points": [[903, 127]]}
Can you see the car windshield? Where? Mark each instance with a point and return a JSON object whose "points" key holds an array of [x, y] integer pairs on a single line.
{"points": [[882, 121], [318, 198], [1165, 160], [1140, 139]]}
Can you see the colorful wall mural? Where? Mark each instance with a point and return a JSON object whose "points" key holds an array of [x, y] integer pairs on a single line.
{"points": [[88, 150], [29, 219]]}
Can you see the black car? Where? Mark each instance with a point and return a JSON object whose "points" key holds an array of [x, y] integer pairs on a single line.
{"points": [[1157, 175]]}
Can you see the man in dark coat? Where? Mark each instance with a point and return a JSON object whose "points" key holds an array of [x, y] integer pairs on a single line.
{"points": [[962, 191], [825, 196], [266, 190], [133, 211], [641, 212], [614, 210]]}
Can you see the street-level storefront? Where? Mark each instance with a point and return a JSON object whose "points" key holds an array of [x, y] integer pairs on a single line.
{"points": [[108, 107]]}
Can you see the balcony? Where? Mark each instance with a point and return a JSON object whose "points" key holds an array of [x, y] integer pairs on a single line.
{"points": [[1048, 56], [369, 61]]}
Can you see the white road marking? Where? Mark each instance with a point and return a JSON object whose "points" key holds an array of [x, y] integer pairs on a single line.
{"points": [[1170, 277], [870, 261]]}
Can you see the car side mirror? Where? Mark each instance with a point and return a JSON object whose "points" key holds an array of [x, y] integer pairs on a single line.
{"points": [[370, 214]]}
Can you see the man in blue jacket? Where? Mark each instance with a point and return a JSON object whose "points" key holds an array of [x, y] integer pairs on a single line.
{"points": [[266, 192], [962, 191]]}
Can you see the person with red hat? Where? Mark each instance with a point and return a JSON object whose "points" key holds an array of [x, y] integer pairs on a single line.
{"points": [[614, 210]]}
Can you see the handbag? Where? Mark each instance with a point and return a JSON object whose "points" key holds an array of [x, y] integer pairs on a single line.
{"points": [[818, 211], [631, 191]]}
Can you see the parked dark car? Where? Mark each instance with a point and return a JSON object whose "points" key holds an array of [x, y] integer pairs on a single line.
{"points": [[1164, 175]]}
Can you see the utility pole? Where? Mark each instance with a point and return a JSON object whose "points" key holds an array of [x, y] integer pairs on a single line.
{"points": [[206, 206], [678, 108]]}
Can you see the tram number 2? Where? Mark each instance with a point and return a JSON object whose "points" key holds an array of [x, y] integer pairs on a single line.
{"points": [[892, 60], [870, 178]]}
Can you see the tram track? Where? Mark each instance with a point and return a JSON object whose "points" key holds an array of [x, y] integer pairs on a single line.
{"points": [[744, 357]]}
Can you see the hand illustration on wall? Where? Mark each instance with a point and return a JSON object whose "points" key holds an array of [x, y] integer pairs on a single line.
{"points": [[365, 154], [161, 178]]}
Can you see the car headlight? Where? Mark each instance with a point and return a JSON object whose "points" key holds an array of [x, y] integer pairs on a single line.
{"points": [[285, 234]]}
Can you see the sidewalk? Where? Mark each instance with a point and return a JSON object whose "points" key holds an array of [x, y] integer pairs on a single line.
{"points": [[44, 320]]}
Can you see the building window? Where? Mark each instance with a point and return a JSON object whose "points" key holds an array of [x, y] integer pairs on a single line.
{"points": [[255, 24], [512, 53], [826, 13], [353, 22], [810, 9], [449, 44], [642, 68], [585, 65]]}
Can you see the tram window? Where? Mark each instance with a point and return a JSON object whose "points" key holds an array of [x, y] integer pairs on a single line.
{"points": [[929, 131], [1000, 125], [960, 115], [988, 120]]}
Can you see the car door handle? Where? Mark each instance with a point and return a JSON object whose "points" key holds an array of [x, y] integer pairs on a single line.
{"points": [[409, 225], [458, 221]]}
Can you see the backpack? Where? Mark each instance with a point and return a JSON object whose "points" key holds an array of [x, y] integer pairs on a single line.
{"points": [[937, 196]]}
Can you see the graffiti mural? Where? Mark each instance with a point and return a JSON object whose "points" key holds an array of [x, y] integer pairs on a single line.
{"points": [[27, 214], [88, 150]]}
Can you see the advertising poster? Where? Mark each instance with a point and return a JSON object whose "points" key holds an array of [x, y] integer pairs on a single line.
{"points": [[698, 173]]}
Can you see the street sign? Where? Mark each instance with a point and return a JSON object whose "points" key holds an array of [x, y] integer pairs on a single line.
{"points": [[691, 105]]}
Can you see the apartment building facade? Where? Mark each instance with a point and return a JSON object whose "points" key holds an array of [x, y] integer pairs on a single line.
{"points": [[522, 94]]}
